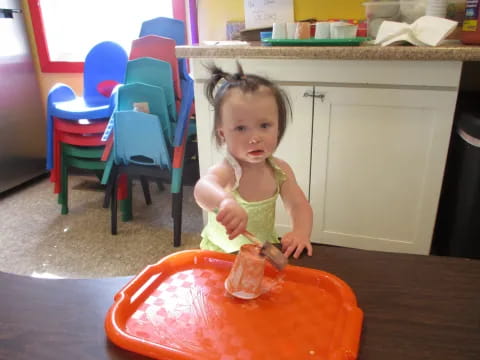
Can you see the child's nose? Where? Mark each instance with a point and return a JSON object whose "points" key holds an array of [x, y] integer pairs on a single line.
{"points": [[255, 139]]}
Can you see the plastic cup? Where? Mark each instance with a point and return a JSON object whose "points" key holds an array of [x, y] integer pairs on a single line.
{"points": [[279, 31], [302, 31], [246, 275], [291, 29], [322, 30]]}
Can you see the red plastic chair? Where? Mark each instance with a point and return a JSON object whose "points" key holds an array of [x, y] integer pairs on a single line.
{"points": [[74, 132], [160, 48], [83, 133]]}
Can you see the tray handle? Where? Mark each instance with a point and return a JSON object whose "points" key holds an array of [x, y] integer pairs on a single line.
{"points": [[142, 280]]}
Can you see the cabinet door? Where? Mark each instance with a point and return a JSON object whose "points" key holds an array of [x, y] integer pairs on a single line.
{"points": [[378, 158], [295, 147]]}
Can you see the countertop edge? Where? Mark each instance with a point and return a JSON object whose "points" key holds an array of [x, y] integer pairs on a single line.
{"points": [[441, 53]]}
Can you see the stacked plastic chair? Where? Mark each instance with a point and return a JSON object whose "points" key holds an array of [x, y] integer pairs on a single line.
{"points": [[169, 28], [166, 28], [79, 146], [142, 145], [79, 121], [160, 48]]}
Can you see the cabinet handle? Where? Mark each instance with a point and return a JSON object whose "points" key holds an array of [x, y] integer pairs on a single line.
{"points": [[310, 93]]}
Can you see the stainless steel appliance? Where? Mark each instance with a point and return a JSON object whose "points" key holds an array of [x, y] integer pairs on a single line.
{"points": [[22, 119]]}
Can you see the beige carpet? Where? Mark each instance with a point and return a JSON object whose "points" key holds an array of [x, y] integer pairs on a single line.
{"points": [[35, 239]]}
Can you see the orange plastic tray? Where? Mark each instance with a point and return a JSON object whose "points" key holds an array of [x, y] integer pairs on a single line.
{"points": [[179, 309]]}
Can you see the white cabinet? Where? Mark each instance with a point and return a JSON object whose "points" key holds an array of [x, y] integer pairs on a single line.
{"points": [[378, 157], [368, 149]]}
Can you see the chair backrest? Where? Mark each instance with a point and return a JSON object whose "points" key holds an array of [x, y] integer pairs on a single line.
{"points": [[150, 98], [139, 140], [170, 28], [105, 66], [160, 48], [154, 72]]}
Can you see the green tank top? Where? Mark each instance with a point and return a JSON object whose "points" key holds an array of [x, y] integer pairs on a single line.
{"points": [[261, 216]]}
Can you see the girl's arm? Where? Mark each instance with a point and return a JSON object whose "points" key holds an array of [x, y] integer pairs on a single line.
{"points": [[211, 193], [300, 212]]}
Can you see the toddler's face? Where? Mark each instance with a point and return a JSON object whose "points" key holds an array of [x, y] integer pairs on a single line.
{"points": [[249, 125]]}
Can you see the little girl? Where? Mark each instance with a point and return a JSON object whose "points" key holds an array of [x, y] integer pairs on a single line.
{"points": [[241, 191]]}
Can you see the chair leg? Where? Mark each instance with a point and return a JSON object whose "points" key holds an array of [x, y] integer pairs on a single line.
{"points": [[106, 198], [127, 212], [146, 190], [108, 191], [64, 185], [177, 199], [113, 201]]}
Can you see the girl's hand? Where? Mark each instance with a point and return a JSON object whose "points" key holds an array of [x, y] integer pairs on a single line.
{"points": [[233, 217], [294, 243]]}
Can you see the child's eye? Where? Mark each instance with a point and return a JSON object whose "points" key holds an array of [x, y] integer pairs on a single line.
{"points": [[265, 125], [240, 128]]}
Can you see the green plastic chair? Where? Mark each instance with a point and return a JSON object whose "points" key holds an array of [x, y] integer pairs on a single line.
{"points": [[79, 157]]}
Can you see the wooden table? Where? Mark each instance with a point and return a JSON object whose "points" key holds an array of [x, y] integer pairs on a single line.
{"points": [[416, 307]]}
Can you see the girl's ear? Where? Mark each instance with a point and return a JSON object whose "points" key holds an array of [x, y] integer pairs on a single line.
{"points": [[221, 134]]}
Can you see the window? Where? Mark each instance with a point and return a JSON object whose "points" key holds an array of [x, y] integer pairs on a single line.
{"points": [[65, 30]]}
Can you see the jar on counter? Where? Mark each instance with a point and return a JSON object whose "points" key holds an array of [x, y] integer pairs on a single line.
{"points": [[471, 27]]}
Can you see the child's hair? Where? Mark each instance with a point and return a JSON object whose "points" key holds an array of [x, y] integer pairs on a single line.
{"points": [[246, 83]]}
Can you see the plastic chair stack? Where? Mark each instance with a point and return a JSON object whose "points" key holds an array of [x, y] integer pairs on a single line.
{"points": [[169, 28], [160, 48], [147, 45], [147, 141], [75, 123]]}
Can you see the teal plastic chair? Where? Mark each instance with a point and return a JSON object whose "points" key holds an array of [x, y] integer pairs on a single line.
{"points": [[127, 97], [130, 96], [154, 72], [139, 139]]}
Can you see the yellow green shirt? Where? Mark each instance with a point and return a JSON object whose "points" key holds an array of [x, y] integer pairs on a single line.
{"points": [[261, 216]]}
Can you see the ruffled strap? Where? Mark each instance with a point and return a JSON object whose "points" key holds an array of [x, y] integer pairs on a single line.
{"points": [[280, 175], [237, 169]]}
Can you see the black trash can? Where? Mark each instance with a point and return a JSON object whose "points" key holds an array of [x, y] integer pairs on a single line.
{"points": [[457, 231]]}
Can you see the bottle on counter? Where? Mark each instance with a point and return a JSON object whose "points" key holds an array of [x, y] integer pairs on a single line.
{"points": [[471, 27]]}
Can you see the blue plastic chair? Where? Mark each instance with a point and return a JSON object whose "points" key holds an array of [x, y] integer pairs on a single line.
{"points": [[157, 73], [104, 68], [170, 28]]}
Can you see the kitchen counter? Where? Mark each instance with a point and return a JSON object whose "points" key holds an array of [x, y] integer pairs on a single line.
{"points": [[451, 51]]}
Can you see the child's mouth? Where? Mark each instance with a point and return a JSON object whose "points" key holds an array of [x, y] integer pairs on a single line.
{"points": [[256, 152]]}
